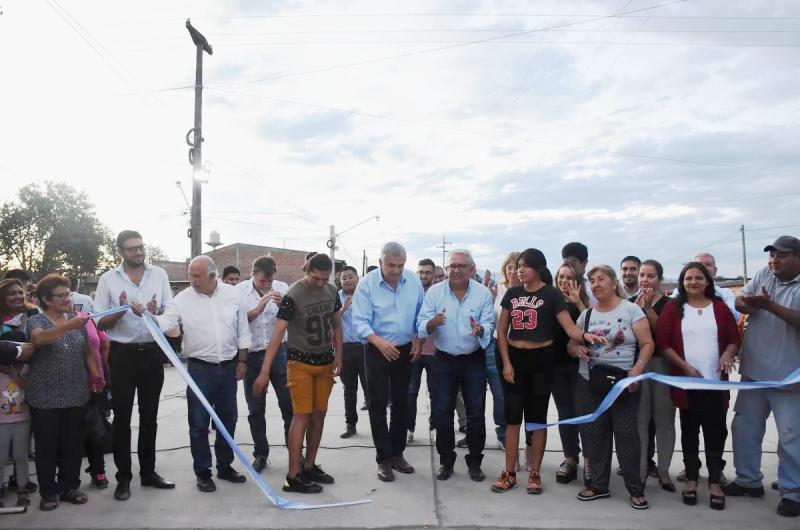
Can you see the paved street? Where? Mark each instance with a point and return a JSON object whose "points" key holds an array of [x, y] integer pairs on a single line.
{"points": [[412, 501]]}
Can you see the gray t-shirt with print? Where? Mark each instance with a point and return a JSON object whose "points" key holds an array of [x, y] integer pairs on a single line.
{"points": [[616, 326]]}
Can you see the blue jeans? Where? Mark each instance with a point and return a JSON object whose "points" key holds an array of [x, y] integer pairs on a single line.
{"points": [[425, 362], [496, 387], [467, 373], [218, 385], [749, 424], [256, 406]]}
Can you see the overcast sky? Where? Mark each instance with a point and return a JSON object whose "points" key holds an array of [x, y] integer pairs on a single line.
{"points": [[647, 127]]}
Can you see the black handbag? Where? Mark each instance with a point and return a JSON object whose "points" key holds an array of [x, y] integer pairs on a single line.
{"points": [[602, 376]]}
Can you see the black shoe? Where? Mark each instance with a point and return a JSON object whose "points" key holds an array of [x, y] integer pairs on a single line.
{"points": [[476, 473], [365, 406], [462, 429], [689, 497], [444, 472], [716, 502], [775, 485], [735, 490], [30, 487], [99, 481], [74, 497], [399, 463], [23, 499], [316, 474], [300, 484], [567, 472], [462, 442], [260, 463], [154, 480], [385, 472], [48, 503], [205, 484], [788, 508], [231, 475], [123, 490], [349, 431]]}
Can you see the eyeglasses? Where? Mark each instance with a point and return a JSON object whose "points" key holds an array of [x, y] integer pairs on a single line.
{"points": [[132, 250], [457, 267], [61, 296]]}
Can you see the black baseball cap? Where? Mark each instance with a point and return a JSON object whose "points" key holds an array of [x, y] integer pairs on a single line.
{"points": [[784, 244]]}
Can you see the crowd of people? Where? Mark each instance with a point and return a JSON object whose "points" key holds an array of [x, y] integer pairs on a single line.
{"points": [[528, 337]]}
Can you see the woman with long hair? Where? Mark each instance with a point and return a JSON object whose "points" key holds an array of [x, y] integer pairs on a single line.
{"points": [[530, 314], [14, 310], [697, 333], [625, 329], [656, 404], [568, 281]]}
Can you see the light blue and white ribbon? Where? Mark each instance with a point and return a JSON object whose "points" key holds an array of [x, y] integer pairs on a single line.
{"points": [[99, 314], [686, 383], [277, 500]]}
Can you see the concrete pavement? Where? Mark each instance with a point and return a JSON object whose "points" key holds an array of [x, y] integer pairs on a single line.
{"points": [[412, 501]]}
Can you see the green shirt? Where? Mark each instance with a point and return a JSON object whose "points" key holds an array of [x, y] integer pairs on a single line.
{"points": [[310, 314]]}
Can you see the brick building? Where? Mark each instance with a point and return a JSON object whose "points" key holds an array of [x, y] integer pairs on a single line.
{"points": [[242, 255]]}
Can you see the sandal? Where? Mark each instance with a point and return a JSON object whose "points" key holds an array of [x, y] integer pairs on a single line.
{"points": [[667, 485], [74, 497], [689, 497], [640, 503], [48, 503], [716, 502], [588, 494]]}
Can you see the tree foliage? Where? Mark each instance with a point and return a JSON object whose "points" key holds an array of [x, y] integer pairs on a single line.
{"points": [[52, 229]]}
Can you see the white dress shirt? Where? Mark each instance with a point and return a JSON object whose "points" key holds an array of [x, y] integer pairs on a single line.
{"points": [[214, 327], [130, 329], [262, 326]]}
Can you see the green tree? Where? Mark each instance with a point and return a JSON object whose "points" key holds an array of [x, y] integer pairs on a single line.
{"points": [[50, 229]]}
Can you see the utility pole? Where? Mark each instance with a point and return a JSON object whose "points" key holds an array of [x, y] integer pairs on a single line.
{"points": [[196, 143], [444, 246], [744, 255], [364, 262], [332, 245]]}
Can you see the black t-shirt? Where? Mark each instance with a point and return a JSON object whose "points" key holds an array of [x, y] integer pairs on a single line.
{"points": [[658, 307], [532, 315], [561, 339]]}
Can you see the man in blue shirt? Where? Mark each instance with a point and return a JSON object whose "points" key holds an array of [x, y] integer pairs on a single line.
{"points": [[385, 308], [458, 313], [353, 355]]}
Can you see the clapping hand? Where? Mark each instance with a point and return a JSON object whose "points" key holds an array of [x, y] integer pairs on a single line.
{"points": [[759, 301]]}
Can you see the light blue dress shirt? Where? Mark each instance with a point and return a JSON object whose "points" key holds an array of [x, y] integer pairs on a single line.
{"points": [[388, 313], [348, 329], [455, 335]]}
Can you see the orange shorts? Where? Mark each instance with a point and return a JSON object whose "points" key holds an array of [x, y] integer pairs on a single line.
{"points": [[310, 386]]}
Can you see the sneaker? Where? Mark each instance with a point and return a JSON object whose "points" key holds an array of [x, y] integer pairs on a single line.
{"points": [[100, 481], [365, 406], [316, 474], [505, 482], [300, 484], [410, 438], [789, 508], [260, 463], [535, 483], [349, 431], [567, 472], [501, 444]]}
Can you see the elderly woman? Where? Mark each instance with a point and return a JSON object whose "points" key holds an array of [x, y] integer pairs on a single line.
{"points": [[625, 327], [656, 404], [698, 335], [58, 389]]}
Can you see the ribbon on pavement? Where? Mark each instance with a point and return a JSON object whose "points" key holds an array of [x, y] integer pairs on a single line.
{"points": [[684, 382], [277, 500]]}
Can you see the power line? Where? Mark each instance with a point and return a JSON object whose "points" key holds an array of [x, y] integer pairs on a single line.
{"points": [[508, 137], [468, 14], [97, 47], [770, 228], [419, 52]]}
